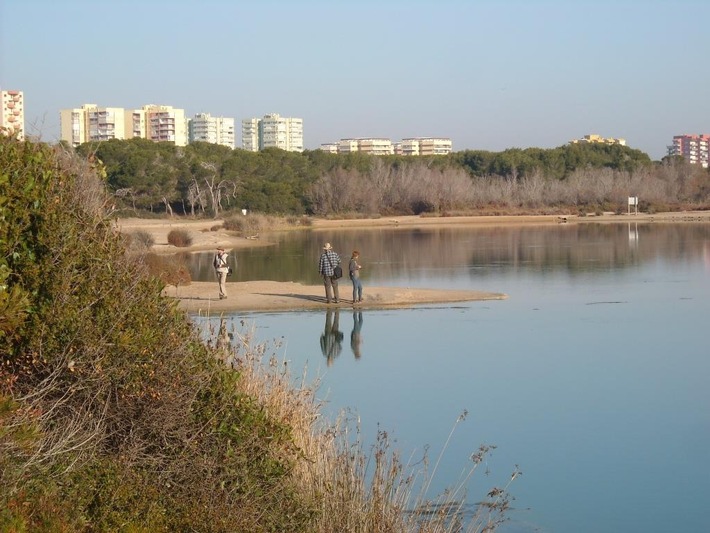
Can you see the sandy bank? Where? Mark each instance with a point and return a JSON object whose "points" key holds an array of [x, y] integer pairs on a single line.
{"points": [[202, 297]]}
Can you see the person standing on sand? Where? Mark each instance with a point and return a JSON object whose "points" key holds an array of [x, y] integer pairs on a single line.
{"points": [[354, 269], [326, 267], [221, 269]]}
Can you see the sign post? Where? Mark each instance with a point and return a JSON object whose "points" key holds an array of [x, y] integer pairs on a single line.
{"points": [[633, 200]]}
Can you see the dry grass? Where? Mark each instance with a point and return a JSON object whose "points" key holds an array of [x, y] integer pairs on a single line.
{"points": [[252, 224], [351, 489]]}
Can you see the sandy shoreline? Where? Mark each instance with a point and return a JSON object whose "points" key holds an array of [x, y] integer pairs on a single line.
{"points": [[260, 296]]}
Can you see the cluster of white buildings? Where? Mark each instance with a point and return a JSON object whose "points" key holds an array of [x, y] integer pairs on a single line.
{"points": [[91, 123], [163, 123], [383, 146]]}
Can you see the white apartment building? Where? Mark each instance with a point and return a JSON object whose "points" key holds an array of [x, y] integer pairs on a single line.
{"points": [[164, 123], [345, 146], [423, 146], [381, 146], [12, 113], [331, 148], [272, 131], [250, 134], [91, 123], [216, 130], [368, 145]]}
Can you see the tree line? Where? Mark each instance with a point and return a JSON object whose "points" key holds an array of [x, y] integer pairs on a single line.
{"points": [[204, 179]]}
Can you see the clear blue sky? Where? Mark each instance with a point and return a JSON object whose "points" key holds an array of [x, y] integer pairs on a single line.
{"points": [[489, 74]]}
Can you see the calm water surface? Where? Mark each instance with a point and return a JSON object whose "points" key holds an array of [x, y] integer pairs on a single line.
{"points": [[592, 376]]}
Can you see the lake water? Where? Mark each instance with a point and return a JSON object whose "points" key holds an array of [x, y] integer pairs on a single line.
{"points": [[592, 377]]}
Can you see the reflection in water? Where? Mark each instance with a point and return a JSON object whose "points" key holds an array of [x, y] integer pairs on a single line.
{"points": [[331, 340], [223, 343], [355, 336], [482, 251], [633, 234]]}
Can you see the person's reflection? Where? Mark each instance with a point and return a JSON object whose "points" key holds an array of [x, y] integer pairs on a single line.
{"points": [[224, 342], [355, 337], [331, 340]]}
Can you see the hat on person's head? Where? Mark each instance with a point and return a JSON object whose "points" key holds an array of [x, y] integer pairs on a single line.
{"points": [[327, 246], [220, 249]]}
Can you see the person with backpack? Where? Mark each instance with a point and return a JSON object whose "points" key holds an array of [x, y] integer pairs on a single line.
{"points": [[329, 267], [221, 268]]}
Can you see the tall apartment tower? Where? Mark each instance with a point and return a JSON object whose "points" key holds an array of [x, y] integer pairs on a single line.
{"points": [[250, 134], [272, 131], [693, 148], [164, 123], [12, 113], [215, 130], [93, 123]]}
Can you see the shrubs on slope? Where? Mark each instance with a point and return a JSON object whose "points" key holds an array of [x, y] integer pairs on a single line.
{"points": [[113, 414]]}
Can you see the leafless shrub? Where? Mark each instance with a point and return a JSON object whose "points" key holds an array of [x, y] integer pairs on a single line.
{"points": [[413, 187], [143, 238]]}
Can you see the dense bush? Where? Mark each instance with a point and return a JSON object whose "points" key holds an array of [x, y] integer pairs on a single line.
{"points": [[180, 238], [113, 414]]}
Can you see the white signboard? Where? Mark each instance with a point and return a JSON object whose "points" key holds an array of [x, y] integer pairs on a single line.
{"points": [[634, 200]]}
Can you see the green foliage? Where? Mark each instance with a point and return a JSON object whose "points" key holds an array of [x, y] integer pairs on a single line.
{"points": [[204, 178], [26, 179], [555, 163], [127, 420]]}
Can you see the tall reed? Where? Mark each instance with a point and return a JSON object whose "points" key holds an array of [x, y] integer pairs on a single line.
{"points": [[351, 488]]}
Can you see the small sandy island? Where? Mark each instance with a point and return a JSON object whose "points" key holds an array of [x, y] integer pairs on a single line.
{"points": [[260, 296], [201, 297]]}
